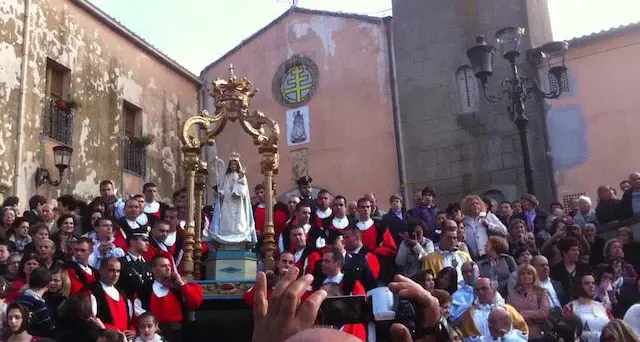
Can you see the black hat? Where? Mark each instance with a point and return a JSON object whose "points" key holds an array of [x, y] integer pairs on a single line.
{"points": [[333, 236], [304, 180], [141, 233]]}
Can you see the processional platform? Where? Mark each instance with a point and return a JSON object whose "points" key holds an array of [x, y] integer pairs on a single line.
{"points": [[232, 272]]}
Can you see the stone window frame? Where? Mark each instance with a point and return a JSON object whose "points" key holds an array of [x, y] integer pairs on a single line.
{"points": [[133, 153], [57, 117]]}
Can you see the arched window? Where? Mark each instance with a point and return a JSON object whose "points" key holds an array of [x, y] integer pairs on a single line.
{"points": [[467, 90], [497, 195]]}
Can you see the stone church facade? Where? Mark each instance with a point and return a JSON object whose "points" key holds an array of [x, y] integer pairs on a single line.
{"points": [[453, 139]]}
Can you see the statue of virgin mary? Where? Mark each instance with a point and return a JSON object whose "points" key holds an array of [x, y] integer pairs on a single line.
{"points": [[232, 216]]}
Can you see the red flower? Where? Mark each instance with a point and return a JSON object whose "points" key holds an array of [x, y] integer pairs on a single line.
{"points": [[61, 104]]}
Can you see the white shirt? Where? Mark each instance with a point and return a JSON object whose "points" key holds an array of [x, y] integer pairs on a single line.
{"points": [[135, 258], [297, 255], [340, 223], [171, 239], [448, 258], [364, 225], [133, 224], [306, 227], [323, 214], [553, 296], [86, 269], [335, 279], [151, 207]]}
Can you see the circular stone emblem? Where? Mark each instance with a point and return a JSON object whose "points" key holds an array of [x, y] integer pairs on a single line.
{"points": [[295, 81]]}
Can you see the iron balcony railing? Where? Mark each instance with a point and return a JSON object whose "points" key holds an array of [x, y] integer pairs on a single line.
{"points": [[57, 122], [135, 157]]}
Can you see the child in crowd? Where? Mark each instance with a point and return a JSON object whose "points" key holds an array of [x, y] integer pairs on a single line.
{"points": [[109, 335], [148, 329]]}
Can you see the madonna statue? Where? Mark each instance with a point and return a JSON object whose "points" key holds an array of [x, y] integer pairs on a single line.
{"points": [[232, 216]]}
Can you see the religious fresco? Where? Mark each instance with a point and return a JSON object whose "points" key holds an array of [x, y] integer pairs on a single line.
{"points": [[298, 126]]}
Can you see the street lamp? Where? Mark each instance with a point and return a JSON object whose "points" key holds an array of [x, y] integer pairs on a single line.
{"points": [[62, 159], [515, 88]]}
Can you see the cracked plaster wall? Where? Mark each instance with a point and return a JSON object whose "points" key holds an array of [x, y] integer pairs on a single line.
{"points": [[105, 69]]}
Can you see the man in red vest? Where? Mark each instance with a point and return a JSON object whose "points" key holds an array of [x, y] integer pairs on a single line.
{"points": [[151, 206], [169, 299], [157, 245], [108, 303], [338, 219], [305, 255], [80, 273], [377, 239]]}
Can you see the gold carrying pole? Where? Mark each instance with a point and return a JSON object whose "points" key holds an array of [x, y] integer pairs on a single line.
{"points": [[200, 185], [191, 162], [232, 98], [269, 158]]}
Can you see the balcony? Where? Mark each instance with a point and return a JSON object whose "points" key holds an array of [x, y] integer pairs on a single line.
{"points": [[134, 155], [57, 120]]}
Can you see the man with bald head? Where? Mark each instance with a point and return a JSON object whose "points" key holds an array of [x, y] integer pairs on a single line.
{"points": [[474, 321], [501, 327], [557, 295], [630, 205]]}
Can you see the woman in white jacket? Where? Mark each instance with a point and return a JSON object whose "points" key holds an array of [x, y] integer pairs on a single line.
{"points": [[479, 225]]}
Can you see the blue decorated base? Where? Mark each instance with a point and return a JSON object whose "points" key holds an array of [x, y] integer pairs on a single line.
{"points": [[231, 266]]}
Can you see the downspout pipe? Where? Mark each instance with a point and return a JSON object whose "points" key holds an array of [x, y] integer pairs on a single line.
{"points": [[26, 37], [397, 124]]}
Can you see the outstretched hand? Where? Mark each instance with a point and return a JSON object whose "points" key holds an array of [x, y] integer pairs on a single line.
{"points": [[282, 315], [412, 291]]}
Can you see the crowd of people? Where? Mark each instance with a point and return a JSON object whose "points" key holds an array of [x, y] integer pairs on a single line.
{"points": [[110, 269], [505, 271]]}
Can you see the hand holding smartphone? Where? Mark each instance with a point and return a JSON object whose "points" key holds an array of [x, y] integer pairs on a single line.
{"points": [[341, 310]]}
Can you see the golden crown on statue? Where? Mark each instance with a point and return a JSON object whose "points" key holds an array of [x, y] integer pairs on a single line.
{"points": [[232, 95], [234, 156]]}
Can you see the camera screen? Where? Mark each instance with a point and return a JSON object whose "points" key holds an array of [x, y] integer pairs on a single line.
{"points": [[342, 310]]}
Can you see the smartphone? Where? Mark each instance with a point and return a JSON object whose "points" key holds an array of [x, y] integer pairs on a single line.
{"points": [[342, 310]]}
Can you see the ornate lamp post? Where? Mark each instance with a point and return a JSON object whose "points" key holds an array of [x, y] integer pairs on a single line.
{"points": [[232, 98], [515, 88]]}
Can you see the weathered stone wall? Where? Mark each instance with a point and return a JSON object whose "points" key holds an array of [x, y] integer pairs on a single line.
{"points": [[458, 153], [352, 142], [105, 69]]}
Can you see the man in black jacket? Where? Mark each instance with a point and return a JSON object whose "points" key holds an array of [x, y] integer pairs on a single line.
{"points": [[34, 214], [42, 324]]}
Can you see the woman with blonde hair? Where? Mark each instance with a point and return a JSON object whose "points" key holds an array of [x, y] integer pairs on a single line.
{"points": [[618, 331], [530, 299], [58, 290], [479, 225]]}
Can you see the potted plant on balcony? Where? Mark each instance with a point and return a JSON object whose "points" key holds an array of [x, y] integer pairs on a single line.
{"points": [[69, 106], [144, 140]]}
